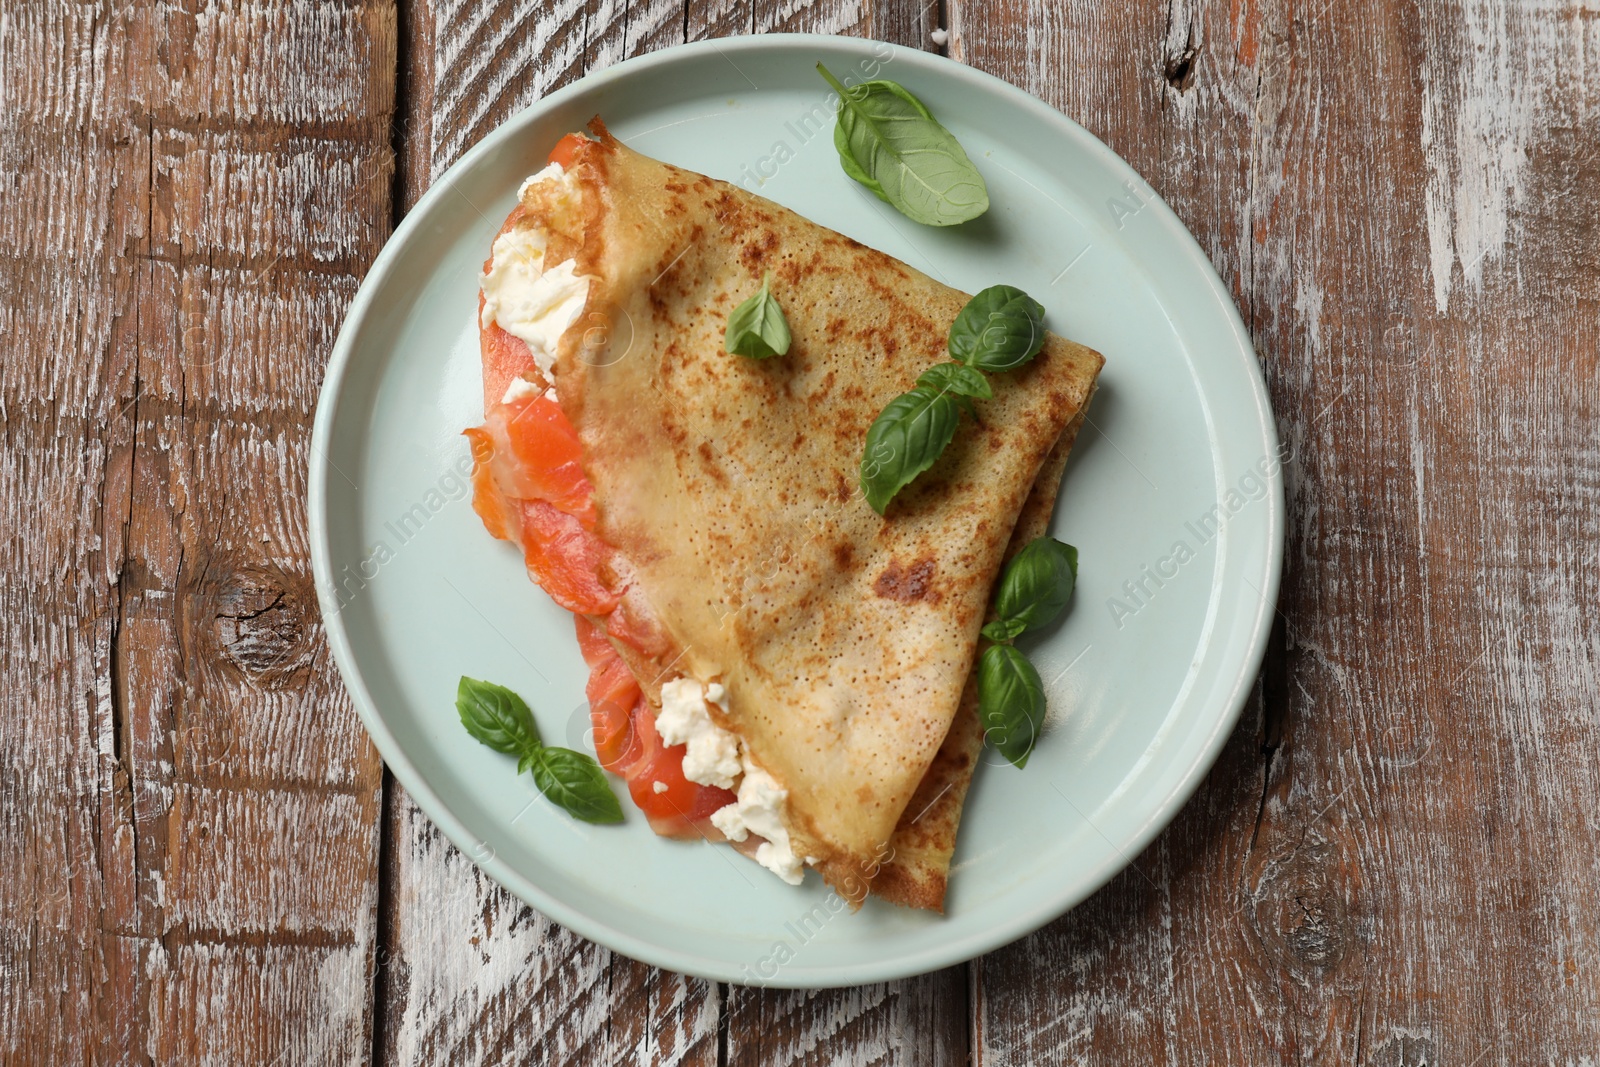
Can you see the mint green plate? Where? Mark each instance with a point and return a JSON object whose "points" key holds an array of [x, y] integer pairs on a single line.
{"points": [[1173, 498]]}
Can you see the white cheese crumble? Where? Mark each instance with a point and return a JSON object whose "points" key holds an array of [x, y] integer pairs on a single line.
{"points": [[527, 299], [715, 757], [759, 810], [659, 787], [712, 755], [519, 389], [553, 172]]}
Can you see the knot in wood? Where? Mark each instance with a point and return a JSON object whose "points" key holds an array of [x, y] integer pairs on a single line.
{"points": [[1315, 930], [1179, 68], [258, 619], [1300, 912]]}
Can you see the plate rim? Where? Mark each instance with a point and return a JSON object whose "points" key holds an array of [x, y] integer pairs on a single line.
{"points": [[939, 953]]}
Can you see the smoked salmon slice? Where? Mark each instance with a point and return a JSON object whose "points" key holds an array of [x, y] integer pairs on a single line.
{"points": [[534, 455], [501, 517], [626, 743], [592, 643], [565, 559], [675, 806], [505, 359], [613, 695]]}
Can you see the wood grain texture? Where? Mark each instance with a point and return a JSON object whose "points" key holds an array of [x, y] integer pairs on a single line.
{"points": [[192, 195]]}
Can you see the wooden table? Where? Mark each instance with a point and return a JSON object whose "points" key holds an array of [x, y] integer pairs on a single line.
{"points": [[1395, 861]]}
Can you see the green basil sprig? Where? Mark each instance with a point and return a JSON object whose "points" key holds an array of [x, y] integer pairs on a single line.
{"points": [[570, 780], [1035, 588], [890, 143], [1000, 329], [963, 381], [1033, 591], [496, 716], [757, 328]]}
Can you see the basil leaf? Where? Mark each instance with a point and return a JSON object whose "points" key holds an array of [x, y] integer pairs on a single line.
{"points": [[1000, 329], [958, 379], [841, 144], [905, 440], [1003, 630], [573, 782], [496, 716], [757, 328], [1010, 702], [502, 720], [1037, 583], [852, 169], [889, 142]]}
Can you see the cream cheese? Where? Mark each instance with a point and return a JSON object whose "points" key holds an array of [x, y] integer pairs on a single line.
{"points": [[712, 753], [519, 389], [759, 810], [713, 756], [553, 172], [527, 298]]}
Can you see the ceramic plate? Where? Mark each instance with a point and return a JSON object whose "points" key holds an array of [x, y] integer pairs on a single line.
{"points": [[1173, 498]]}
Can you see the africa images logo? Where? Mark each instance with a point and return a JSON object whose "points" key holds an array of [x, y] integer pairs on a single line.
{"points": [[1252, 486], [805, 927]]}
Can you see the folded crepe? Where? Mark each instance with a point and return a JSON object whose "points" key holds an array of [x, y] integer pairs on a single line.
{"points": [[772, 662]]}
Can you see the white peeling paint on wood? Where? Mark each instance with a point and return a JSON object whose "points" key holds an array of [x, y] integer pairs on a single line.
{"points": [[292, 314], [483, 49], [224, 1003], [264, 201], [653, 24], [603, 32], [239, 870], [468, 962], [811, 16], [914, 1021], [226, 62], [1483, 104]]}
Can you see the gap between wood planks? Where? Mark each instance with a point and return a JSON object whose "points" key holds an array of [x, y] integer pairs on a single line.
{"points": [[412, 41]]}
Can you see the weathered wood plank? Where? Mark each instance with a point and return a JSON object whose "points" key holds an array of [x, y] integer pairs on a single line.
{"points": [[916, 1021], [490, 61], [1407, 881], [413, 118], [194, 193]]}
